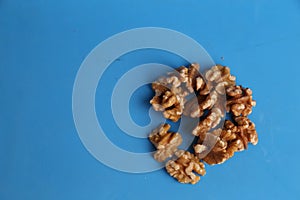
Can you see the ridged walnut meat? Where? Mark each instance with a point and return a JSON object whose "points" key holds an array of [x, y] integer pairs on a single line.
{"points": [[230, 139], [247, 129], [171, 90], [192, 79], [239, 100], [170, 102], [165, 142], [185, 167], [196, 106], [220, 77], [209, 122]]}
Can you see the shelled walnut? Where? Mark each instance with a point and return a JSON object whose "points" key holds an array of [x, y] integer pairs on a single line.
{"points": [[171, 90], [210, 121], [191, 79], [221, 77], [165, 142], [170, 102], [247, 128], [230, 139], [218, 78], [196, 82], [185, 167], [219, 73], [196, 106], [239, 100]]}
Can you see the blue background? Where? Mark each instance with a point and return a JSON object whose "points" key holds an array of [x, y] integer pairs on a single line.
{"points": [[42, 44]]}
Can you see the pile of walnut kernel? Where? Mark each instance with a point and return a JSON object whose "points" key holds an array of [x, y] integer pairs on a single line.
{"points": [[214, 95]]}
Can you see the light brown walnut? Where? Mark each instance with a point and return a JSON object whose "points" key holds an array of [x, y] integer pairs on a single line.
{"points": [[171, 91], [210, 121], [196, 106], [213, 150], [196, 82], [185, 167], [232, 138], [170, 103], [165, 142], [247, 128], [221, 77], [218, 78], [239, 100]]}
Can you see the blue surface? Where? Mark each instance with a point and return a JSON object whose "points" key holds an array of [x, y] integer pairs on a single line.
{"points": [[42, 44]]}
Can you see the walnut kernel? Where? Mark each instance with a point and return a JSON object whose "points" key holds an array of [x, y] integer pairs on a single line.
{"points": [[185, 167], [165, 142]]}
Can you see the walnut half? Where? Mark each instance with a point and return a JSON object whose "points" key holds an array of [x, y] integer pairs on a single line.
{"points": [[239, 100], [165, 142], [185, 167], [171, 90], [167, 101], [211, 121], [220, 77], [230, 139]]}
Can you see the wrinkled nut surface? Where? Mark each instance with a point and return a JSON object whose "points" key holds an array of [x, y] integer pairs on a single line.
{"points": [[221, 77], [209, 122], [230, 139], [212, 155], [167, 101], [193, 80], [218, 78], [196, 106], [165, 142], [170, 94], [171, 91], [185, 167], [247, 128], [239, 100]]}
